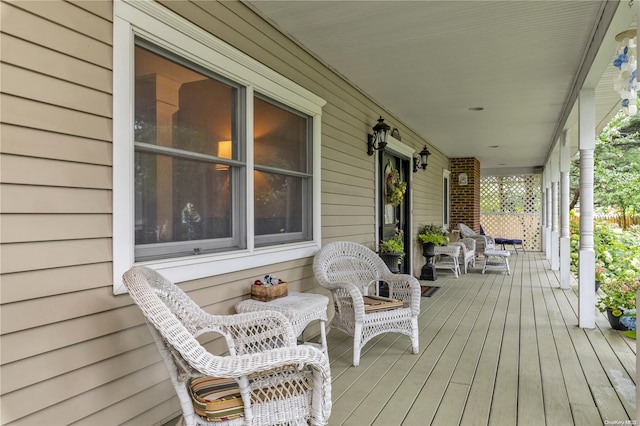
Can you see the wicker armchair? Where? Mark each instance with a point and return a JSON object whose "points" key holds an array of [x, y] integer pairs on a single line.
{"points": [[483, 242], [351, 270], [266, 378], [467, 258]]}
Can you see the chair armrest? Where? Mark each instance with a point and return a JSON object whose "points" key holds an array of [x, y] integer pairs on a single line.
{"points": [[252, 332], [346, 289], [406, 288], [469, 243], [256, 371]]}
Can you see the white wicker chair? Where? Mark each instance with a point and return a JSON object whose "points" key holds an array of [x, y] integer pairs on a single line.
{"points": [[351, 270], [467, 258], [279, 382], [483, 242]]}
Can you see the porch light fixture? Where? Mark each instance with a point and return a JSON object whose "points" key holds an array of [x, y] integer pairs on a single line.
{"points": [[378, 140], [421, 161], [626, 82]]}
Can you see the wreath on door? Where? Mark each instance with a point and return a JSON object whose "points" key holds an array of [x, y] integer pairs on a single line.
{"points": [[395, 186]]}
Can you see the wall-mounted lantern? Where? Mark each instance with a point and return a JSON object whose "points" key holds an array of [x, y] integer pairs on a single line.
{"points": [[378, 140], [421, 161]]}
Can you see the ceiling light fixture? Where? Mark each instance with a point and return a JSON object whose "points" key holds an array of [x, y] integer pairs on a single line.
{"points": [[476, 109], [626, 83]]}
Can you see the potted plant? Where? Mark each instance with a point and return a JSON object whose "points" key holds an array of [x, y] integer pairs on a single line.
{"points": [[619, 299], [433, 234], [392, 251], [430, 236]]}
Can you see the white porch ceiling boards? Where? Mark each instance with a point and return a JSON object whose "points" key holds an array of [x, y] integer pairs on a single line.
{"points": [[428, 62]]}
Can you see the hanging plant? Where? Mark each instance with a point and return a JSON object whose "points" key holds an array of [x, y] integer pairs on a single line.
{"points": [[395, 187]]}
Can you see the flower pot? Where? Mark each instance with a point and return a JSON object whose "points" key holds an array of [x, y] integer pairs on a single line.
{"points": [[392, 261], [428, 250], [428, 270], [614, 321]]}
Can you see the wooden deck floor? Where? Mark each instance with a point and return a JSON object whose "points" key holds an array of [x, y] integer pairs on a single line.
{"points": [[494, 350]]}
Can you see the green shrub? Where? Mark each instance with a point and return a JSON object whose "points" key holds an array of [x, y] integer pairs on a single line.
{"points": [[617, 252]]}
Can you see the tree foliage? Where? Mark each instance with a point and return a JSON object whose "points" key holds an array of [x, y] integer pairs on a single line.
{"points": [[616, 167]]}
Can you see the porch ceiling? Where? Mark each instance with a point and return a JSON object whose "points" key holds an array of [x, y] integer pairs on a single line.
{"points": [[428, 62]]}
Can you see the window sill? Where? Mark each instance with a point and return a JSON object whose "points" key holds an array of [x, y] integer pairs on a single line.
{"points": [[202, 266]]}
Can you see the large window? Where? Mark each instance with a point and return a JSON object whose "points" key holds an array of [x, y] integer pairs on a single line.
{"points": [[216, 157], [186, 127]]}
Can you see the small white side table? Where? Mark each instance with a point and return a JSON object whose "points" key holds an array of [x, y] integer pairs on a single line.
{"points": [[448, 258], [496, 260], [299, 308]]}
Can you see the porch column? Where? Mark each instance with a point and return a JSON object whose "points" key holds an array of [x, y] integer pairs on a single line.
{"points": [[543, 212], [565, 237], [547, 232], [587, 141], [555, 238]]}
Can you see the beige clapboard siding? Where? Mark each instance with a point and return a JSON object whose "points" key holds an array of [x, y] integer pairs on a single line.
{"points": [[19, 257], [41, 60], [60, 308], [69, 15], [337, 187], [17, 228], [25, 25], [39, 143], [144, 408], [101, 8], [38, 368], [338, 210], [39, 340], [49, 282], [35, 86], [84, 391], [44, 172], [51, 199], [32, 114]]}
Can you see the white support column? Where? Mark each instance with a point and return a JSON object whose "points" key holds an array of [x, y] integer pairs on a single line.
{"points": [[587, 136], [555, 236], [547, 231], [565, 237], [543, 212]]}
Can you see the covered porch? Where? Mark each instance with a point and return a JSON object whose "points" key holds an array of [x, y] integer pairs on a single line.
{"points": [[494, 349]]}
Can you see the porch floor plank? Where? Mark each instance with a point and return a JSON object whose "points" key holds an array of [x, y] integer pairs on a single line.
{"points": [[495, 349]]}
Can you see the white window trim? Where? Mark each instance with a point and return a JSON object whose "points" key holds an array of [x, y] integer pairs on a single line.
{"points": [[166, 29], [446, 174]]}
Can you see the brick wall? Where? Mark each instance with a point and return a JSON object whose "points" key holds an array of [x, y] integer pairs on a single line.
{"points": [[465, 199]]}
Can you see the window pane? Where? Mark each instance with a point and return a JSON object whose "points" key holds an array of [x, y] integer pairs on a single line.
{"points": [[181, 200], [280, 137], [278, 204], [282, 177], [181, 108]]}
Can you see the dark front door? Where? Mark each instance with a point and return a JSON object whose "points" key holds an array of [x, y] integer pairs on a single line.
{"points": [[394, 218]]}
